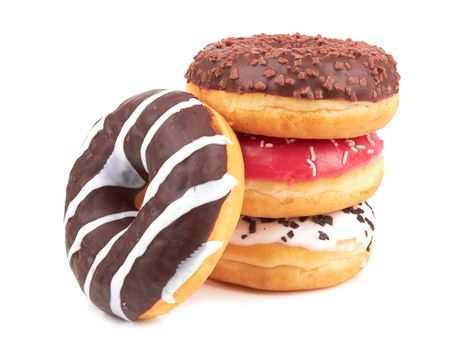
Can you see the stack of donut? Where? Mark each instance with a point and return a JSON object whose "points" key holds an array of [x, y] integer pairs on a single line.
{"points": [[305, 110]]}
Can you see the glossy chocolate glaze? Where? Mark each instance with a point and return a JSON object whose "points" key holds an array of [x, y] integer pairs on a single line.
{"points": [[296, 66], [143, 285]]}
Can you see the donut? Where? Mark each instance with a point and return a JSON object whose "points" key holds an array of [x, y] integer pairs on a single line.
{"points": [[297, 86], [137, 259], [297, 177], [298, 253]]}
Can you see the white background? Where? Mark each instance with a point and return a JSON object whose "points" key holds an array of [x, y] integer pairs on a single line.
{"points": [[64, 65]]}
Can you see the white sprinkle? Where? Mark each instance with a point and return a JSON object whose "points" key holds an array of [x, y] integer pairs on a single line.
{"points": [[313, 155], [370, 140], [261, 143], [253, 137], [334, 142], [312, 166], [350, 142], [354, 149], [370, 151], [344, 159], [360, 146], [268, 145]]}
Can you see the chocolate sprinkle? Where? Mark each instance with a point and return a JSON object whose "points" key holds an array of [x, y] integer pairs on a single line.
{"points": [[252, 228], [267, 220], [368, 247], [322, 219], [294, 225], [323, 236], [246, 219], [371, 224], [341, 63]]}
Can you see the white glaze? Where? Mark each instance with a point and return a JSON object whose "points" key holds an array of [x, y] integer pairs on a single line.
{"points": [[187, 268], [93, 132], [193, 198], [345, 229], [117, 170], [97, 260], [91, 226], [159, 122], [178, 157]]}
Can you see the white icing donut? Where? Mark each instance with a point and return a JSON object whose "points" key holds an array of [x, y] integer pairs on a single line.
{"points": [[340, 230]]}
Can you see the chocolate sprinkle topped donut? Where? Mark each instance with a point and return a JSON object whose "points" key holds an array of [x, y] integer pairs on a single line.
{"points": [[300, 66]]}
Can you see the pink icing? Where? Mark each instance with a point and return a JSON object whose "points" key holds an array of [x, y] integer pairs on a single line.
{"points": [[288, 160]]}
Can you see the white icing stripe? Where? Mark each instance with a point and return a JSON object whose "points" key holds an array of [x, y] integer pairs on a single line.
{"points": [[91, 226], [117, 170], [98, 259], [93, 132], [159, 122], [178, 157], [187, 268], [193, 198]]}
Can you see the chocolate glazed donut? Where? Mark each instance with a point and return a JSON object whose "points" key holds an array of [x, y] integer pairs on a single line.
{"points": [[164, 143]]}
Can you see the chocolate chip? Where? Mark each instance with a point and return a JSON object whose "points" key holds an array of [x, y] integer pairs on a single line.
{"points": [[249, 84], [283, 60], [279, 80], [262, 61], [303, 218], [229, 63], [339, 65], [216, 72], [269, 73], [301, 76], [318, 94], [244, 236], [308, 93], [234, 73], [323, 236], [311, 72], [348, 66], [329, 84], [348, 91], [338, 86], [315, 60], [352, 80], [290, 81], [260, 85], [363, 82], [290, 234], [253, 62], [284, 239], [294, 224]]}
